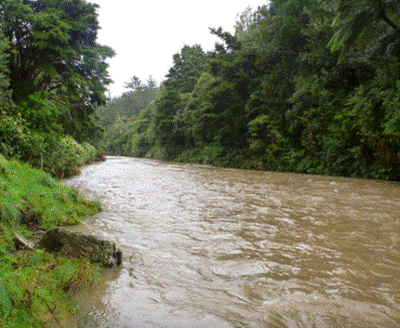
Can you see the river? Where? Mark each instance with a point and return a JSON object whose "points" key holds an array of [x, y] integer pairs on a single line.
{"points": [[216, 247]]}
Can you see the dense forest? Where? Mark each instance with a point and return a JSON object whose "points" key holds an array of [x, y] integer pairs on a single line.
{"points": [[300, 86], [53, 74]]}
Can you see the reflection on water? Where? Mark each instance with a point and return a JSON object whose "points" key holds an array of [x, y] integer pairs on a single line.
{"points": [[213, 247]]}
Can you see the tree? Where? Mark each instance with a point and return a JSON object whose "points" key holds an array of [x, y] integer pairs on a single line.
{"points": [[117, 117], [231, 42], [151, 82], [272, 95], [188, 66], [134, 85], [10, 128], [5, 94], [53, 49], [366, 23], [244, 22]]}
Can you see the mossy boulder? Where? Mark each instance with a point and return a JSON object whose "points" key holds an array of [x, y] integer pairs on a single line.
{"points": [[78, 245]]}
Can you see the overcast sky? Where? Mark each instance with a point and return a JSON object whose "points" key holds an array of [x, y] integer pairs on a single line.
{"points": [[146, 34]]}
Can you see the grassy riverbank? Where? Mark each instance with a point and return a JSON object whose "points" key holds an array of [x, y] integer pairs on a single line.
{"points": [[34, 284]]}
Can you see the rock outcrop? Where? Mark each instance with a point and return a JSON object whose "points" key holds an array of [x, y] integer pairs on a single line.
{"points": [[79, 245]]}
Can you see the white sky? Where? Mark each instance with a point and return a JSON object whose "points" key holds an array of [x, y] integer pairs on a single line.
{"points": [[146, 34]]}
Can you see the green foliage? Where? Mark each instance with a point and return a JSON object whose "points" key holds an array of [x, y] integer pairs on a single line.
{"points": [[40, 44], [52, 47], [5, 301], [67, 156], [119, 115], [276, 95], [5, 94], [31, 132], [361, 23], [41, 114], [167, 107], [188, 66], [31, 196], [13, 134], [57, 73], [11, 137], [33, 284], [130, 104]]}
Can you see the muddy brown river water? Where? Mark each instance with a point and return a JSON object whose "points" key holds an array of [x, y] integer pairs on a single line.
{"points": [[215, 247]]}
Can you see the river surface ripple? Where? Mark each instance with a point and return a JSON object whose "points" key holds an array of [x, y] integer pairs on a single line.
{"points": [[215, 247]]}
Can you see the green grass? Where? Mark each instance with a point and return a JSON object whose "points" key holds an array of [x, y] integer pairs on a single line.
{"points": [[33, 284], [30, 196]]}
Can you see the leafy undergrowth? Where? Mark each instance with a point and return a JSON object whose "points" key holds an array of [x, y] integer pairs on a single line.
{"points": [[34, 285]]}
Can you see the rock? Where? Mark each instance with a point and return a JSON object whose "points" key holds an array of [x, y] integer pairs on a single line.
{"points": [[79, 245]]}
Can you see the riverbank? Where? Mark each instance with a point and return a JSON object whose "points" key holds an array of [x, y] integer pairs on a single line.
{"points": [[34, 284]]}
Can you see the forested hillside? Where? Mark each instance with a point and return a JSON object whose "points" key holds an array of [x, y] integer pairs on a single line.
{"points": [[120, 116], [303, 86]]}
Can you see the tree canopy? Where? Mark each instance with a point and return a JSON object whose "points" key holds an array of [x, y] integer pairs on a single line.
{"points": [[366, 23], [301, 86], [53, 74], [53, 48]]}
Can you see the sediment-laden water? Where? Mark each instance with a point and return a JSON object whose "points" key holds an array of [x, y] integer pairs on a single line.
{"points": [[215, 247]]}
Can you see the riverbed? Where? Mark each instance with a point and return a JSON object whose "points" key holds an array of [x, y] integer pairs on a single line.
{"points": [[216, 247]]}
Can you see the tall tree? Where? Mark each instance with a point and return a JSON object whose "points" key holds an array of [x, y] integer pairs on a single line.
{"points": [[8, 131], [53, 48], [188, 66], [135, 84]]}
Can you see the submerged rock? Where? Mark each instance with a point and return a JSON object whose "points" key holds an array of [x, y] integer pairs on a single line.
{"points": [[79, 245]]}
